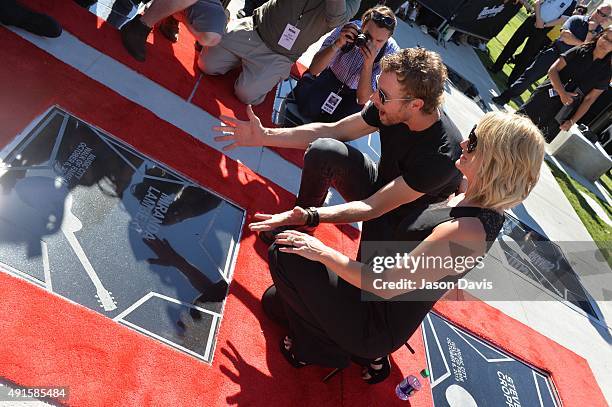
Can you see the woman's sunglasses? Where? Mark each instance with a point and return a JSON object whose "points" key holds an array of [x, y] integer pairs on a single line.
{"points": [[383, 21], [472, 140]]}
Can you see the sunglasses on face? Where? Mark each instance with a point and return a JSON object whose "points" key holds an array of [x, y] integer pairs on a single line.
{"points": [[602, 14], [383, 21], [383, 97], [472, 140]]}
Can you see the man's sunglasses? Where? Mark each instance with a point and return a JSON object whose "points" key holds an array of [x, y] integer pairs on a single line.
{"points": [[383, 97], [472, 140], [383, 21]]}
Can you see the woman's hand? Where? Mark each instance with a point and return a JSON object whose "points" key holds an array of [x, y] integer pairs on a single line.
{"points": [[295, 217], [566, 125], [567, 97], [240, 132], [302, 244]]}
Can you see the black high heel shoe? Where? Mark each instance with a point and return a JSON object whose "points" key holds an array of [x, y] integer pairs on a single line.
{"points": [[289, 356], [378, 370]]}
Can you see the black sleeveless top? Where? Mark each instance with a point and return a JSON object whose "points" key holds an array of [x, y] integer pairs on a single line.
{"points": [[398, 318]]}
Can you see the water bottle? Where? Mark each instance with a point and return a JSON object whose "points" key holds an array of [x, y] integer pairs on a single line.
{"points": [[410, 385]]}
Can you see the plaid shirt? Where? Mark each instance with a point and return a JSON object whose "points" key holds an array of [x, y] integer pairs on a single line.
{"points": [[347, 65]]}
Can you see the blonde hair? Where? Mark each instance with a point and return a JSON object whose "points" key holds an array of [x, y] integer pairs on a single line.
{"points": [[421, 74], [511, 149]]}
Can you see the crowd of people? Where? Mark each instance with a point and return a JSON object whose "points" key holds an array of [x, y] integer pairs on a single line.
{"points": [[432, 188]]}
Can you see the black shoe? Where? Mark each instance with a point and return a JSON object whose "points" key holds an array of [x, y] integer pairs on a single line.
{"points": [[169, 27], [13, 13], [289, 356], [134, 37], [493, 68], [377, 370], [500, 100], [85, 3], [273, 306]]}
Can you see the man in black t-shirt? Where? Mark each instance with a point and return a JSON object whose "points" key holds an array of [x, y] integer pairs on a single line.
{"points": [[419, 146]]}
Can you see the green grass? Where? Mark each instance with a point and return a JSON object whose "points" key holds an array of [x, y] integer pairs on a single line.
{"points": [[495, 47], [597, 228], [606, 181]]}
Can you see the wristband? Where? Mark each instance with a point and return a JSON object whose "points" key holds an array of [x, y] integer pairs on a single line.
{"points": [[313, 217]]}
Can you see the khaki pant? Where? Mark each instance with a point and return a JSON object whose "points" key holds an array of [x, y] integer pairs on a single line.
{"points": [[262, 68]]}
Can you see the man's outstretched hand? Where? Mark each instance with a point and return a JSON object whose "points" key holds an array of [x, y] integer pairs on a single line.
{"points": [[241, 133], [295, 217]]}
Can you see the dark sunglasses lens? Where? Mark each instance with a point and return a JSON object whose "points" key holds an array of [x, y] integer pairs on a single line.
{"points": [[472, 141], [382, 19], [382, 96]]}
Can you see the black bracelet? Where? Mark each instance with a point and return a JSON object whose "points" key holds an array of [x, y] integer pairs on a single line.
{"points": [[308, 217], [313, 217]]}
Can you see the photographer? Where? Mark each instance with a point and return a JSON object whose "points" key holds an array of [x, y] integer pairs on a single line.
{"points": [[343, 73], [267, 44], [583, 70]]}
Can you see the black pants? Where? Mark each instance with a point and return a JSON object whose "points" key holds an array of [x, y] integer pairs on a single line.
{"points": [[535, 71], [542, 109], [535, 37], [328, 321]]}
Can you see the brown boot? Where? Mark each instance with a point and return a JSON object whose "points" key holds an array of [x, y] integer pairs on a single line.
{"points": [[134, 37], [169, 27]]}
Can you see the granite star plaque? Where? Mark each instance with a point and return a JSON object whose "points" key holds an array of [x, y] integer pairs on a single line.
{"points": [[466, 371], [89, 218]]}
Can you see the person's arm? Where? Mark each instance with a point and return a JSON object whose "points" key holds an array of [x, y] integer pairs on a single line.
{"points": [[555, 80], [323, 58], [568, 37], [467, 234], [336, 13], [364, 87], [538, 23], [582, 109], [251, 133], [389, 197]]}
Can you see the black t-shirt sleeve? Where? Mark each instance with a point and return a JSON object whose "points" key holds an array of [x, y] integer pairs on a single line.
{"points": [[570, 55], [429, 174], [370, 115], [603, 83]]}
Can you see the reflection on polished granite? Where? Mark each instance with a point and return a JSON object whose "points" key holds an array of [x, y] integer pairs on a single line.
{"points": [[91, 219], [532, 255], [467, 371]]}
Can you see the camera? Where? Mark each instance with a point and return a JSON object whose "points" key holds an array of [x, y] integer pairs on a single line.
{"points": [[361, 40]]}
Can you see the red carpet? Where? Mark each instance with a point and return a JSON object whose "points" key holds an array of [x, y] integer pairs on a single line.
{"points": [[49, 341]]}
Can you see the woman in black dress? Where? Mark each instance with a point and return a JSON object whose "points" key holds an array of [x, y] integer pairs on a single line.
{"points": [[319, 294], [584, 70]]}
